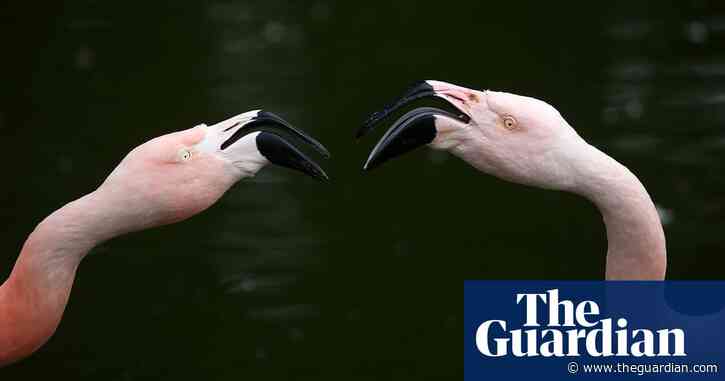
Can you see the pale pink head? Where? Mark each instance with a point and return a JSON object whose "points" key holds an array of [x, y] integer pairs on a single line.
{"points": [[178, 175], [513, 137]]}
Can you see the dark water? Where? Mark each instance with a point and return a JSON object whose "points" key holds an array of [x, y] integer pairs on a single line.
{"points": [[286, 278]]}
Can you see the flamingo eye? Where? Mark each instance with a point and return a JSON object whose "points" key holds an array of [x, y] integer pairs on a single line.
{"points": [[184, 154], [509, 122]]}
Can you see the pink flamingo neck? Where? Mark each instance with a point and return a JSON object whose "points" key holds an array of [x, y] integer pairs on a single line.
{"points": [[636, 241], [33, 298]]}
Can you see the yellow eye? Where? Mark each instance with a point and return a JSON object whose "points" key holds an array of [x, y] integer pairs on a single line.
{"points": [[509, 122], [184, 154]]}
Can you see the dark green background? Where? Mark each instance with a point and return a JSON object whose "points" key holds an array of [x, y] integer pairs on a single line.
{"points": [[361, 278]]}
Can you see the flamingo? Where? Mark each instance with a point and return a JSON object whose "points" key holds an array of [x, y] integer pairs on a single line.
{"points": [[165, 180], [525, 140]]}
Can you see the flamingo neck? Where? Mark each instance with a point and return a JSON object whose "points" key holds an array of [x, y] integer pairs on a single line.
{"points": [[33, 298], [636, 241]]}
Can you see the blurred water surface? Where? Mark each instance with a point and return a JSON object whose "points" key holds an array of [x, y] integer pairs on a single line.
{"points": [[286, 278]]}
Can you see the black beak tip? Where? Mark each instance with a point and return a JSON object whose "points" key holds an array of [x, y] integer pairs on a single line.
{"points": [[274, 119], [369, 123], [414, 129], [372, 162], [280, 152], [377, 159], [318, 173], [419, 89], [320, 176]]}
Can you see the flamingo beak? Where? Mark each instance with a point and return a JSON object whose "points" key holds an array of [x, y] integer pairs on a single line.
{"points": [[414, 129], [277, 149], [280, 152]]}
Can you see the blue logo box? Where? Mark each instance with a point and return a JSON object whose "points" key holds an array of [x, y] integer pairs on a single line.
{"points": [[594, 330]]}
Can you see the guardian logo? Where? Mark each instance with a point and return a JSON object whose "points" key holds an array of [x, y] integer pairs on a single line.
{"points": [[554, 330], [564, 328]]}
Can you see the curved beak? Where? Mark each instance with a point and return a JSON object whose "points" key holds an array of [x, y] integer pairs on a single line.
{"points": [[414, 129], [278, 151], [268, 119], [274, 147]]}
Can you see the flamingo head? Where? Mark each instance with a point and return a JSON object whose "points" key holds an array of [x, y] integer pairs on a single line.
{"points": [[175, 176], [513, 137]]}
